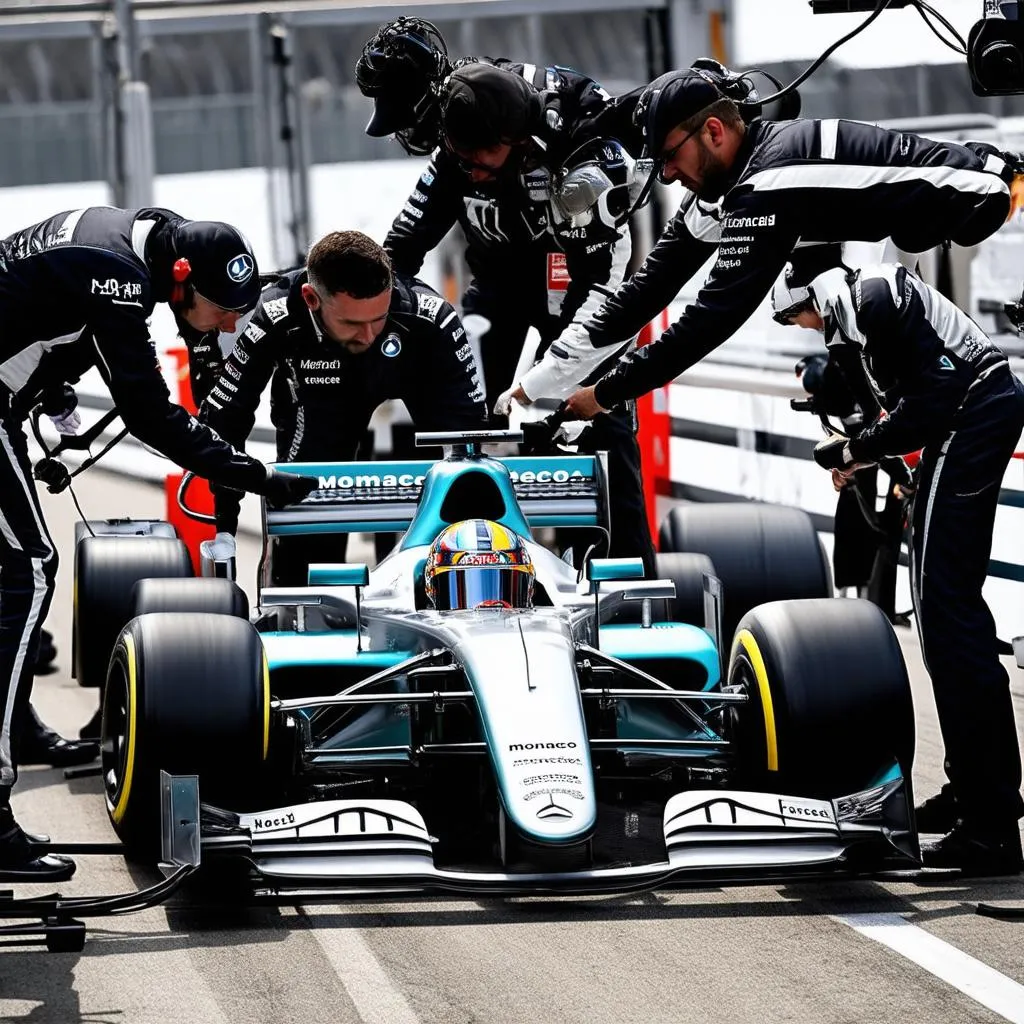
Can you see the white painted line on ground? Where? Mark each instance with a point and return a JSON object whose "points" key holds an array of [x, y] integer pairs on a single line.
{"points": [[982, 983], [374, 994]]}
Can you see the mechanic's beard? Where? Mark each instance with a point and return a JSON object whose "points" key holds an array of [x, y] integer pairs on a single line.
{"points": [[714, 176]]}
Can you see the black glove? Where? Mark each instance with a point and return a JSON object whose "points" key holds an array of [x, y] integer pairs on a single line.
{"points": [[58, 400], [287, 488], [834, 453], [52, 473]]}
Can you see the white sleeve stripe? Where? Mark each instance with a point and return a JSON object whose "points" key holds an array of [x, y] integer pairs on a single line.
{"points": [[448, 319], [857, 176], [829, 138], [994, 164]]}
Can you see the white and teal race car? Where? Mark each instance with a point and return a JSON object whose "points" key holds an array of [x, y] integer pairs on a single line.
{"points": [[346, 737]]}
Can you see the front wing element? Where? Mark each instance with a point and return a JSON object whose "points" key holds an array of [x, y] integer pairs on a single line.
{"points": [[380, 846]]}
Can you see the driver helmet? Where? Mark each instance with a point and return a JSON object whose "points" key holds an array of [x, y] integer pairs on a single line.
{"points": [[401, 69], [478, 563]]}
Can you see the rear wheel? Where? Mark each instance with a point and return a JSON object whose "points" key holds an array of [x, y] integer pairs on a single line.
{"points": [[187, 694], [829, 699], [687, 572], [106, 570], [760, 552], [202, 594]]}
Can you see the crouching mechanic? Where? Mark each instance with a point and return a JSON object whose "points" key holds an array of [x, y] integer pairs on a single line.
{"points": [[339, 337], [947, 389], [75, 292]]}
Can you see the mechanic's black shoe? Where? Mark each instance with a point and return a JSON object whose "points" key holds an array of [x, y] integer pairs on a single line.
{"points": [[91, 729], [53, 750], [976, 852], [39, 744], [20, 860], [46, 655], [938, 814]]}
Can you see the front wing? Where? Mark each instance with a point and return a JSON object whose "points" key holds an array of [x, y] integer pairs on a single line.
{"points": [[381, 846]]}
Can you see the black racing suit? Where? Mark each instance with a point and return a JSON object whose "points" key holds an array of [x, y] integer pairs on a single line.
{"points": [[529, 269], [949, 390], [75, 292], [322, 396], [810, 181]]}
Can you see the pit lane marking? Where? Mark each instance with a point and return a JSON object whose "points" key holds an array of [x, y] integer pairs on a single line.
{"points": [[980, 982], [374, 995]]}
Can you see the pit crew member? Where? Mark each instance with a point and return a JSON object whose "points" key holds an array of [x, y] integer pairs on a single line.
{"points": [[76, 291], [949, 390], [335, 339], [780, 183], [507, 137]]}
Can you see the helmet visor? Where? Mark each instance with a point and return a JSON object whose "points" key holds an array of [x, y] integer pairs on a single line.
{"points": [[487, 586]]}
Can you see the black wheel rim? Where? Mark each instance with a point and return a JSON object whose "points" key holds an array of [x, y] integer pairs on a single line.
{"points": [[114, 732]]}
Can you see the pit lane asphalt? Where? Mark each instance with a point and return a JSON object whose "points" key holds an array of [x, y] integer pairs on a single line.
{"points": [[747, 954]]}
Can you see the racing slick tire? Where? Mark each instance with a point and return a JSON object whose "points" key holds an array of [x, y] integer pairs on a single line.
{"points": [[761, 552], [829, 698], [687, 572], [199, 594], [106, 570], [187, 694]]}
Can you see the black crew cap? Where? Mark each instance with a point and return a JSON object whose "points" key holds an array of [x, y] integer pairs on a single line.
{"points": [[668, 101], [390, 115], [223, 267], [484, 106]]}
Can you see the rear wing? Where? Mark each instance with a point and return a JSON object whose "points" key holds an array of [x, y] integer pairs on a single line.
{"points": [[384, 497]]}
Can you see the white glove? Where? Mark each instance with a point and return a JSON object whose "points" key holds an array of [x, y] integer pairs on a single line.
{"points": [[68, 423], [569, 432], [220, 549], [503, 406]]}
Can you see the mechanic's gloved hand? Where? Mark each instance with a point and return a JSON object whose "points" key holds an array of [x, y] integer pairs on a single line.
{"points": [[220, 549], [67, 424], [54, 474], [569, 432], [287, 488], [60, 403], [503, 406], [834, 453]]}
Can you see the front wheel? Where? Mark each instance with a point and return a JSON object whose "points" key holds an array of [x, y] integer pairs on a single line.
{"points": [[187, 694], [829, 707]]}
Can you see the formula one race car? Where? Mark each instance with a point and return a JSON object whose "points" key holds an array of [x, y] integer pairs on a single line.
{"points": [[378, 731]]}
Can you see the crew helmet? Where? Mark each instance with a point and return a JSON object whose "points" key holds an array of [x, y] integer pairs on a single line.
{"points": [[401, 69], [478, 563], [599, 180]]}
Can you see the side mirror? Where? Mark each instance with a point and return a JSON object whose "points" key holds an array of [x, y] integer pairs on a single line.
{"points": [[603, 570], [338, 574], [342, 574]]}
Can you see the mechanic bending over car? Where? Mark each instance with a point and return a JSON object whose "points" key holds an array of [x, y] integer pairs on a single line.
{"points": [[75, 292], [776, 184], [947, 389], [507, 131], [339, 337], [515, 259]]}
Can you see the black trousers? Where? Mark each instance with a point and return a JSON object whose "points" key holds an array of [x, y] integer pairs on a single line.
{"points": [[953, 520], [28, 565]]}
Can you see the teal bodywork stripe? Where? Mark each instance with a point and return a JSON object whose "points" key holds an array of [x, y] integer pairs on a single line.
{"points": [[662, 640], [338, 647]]}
